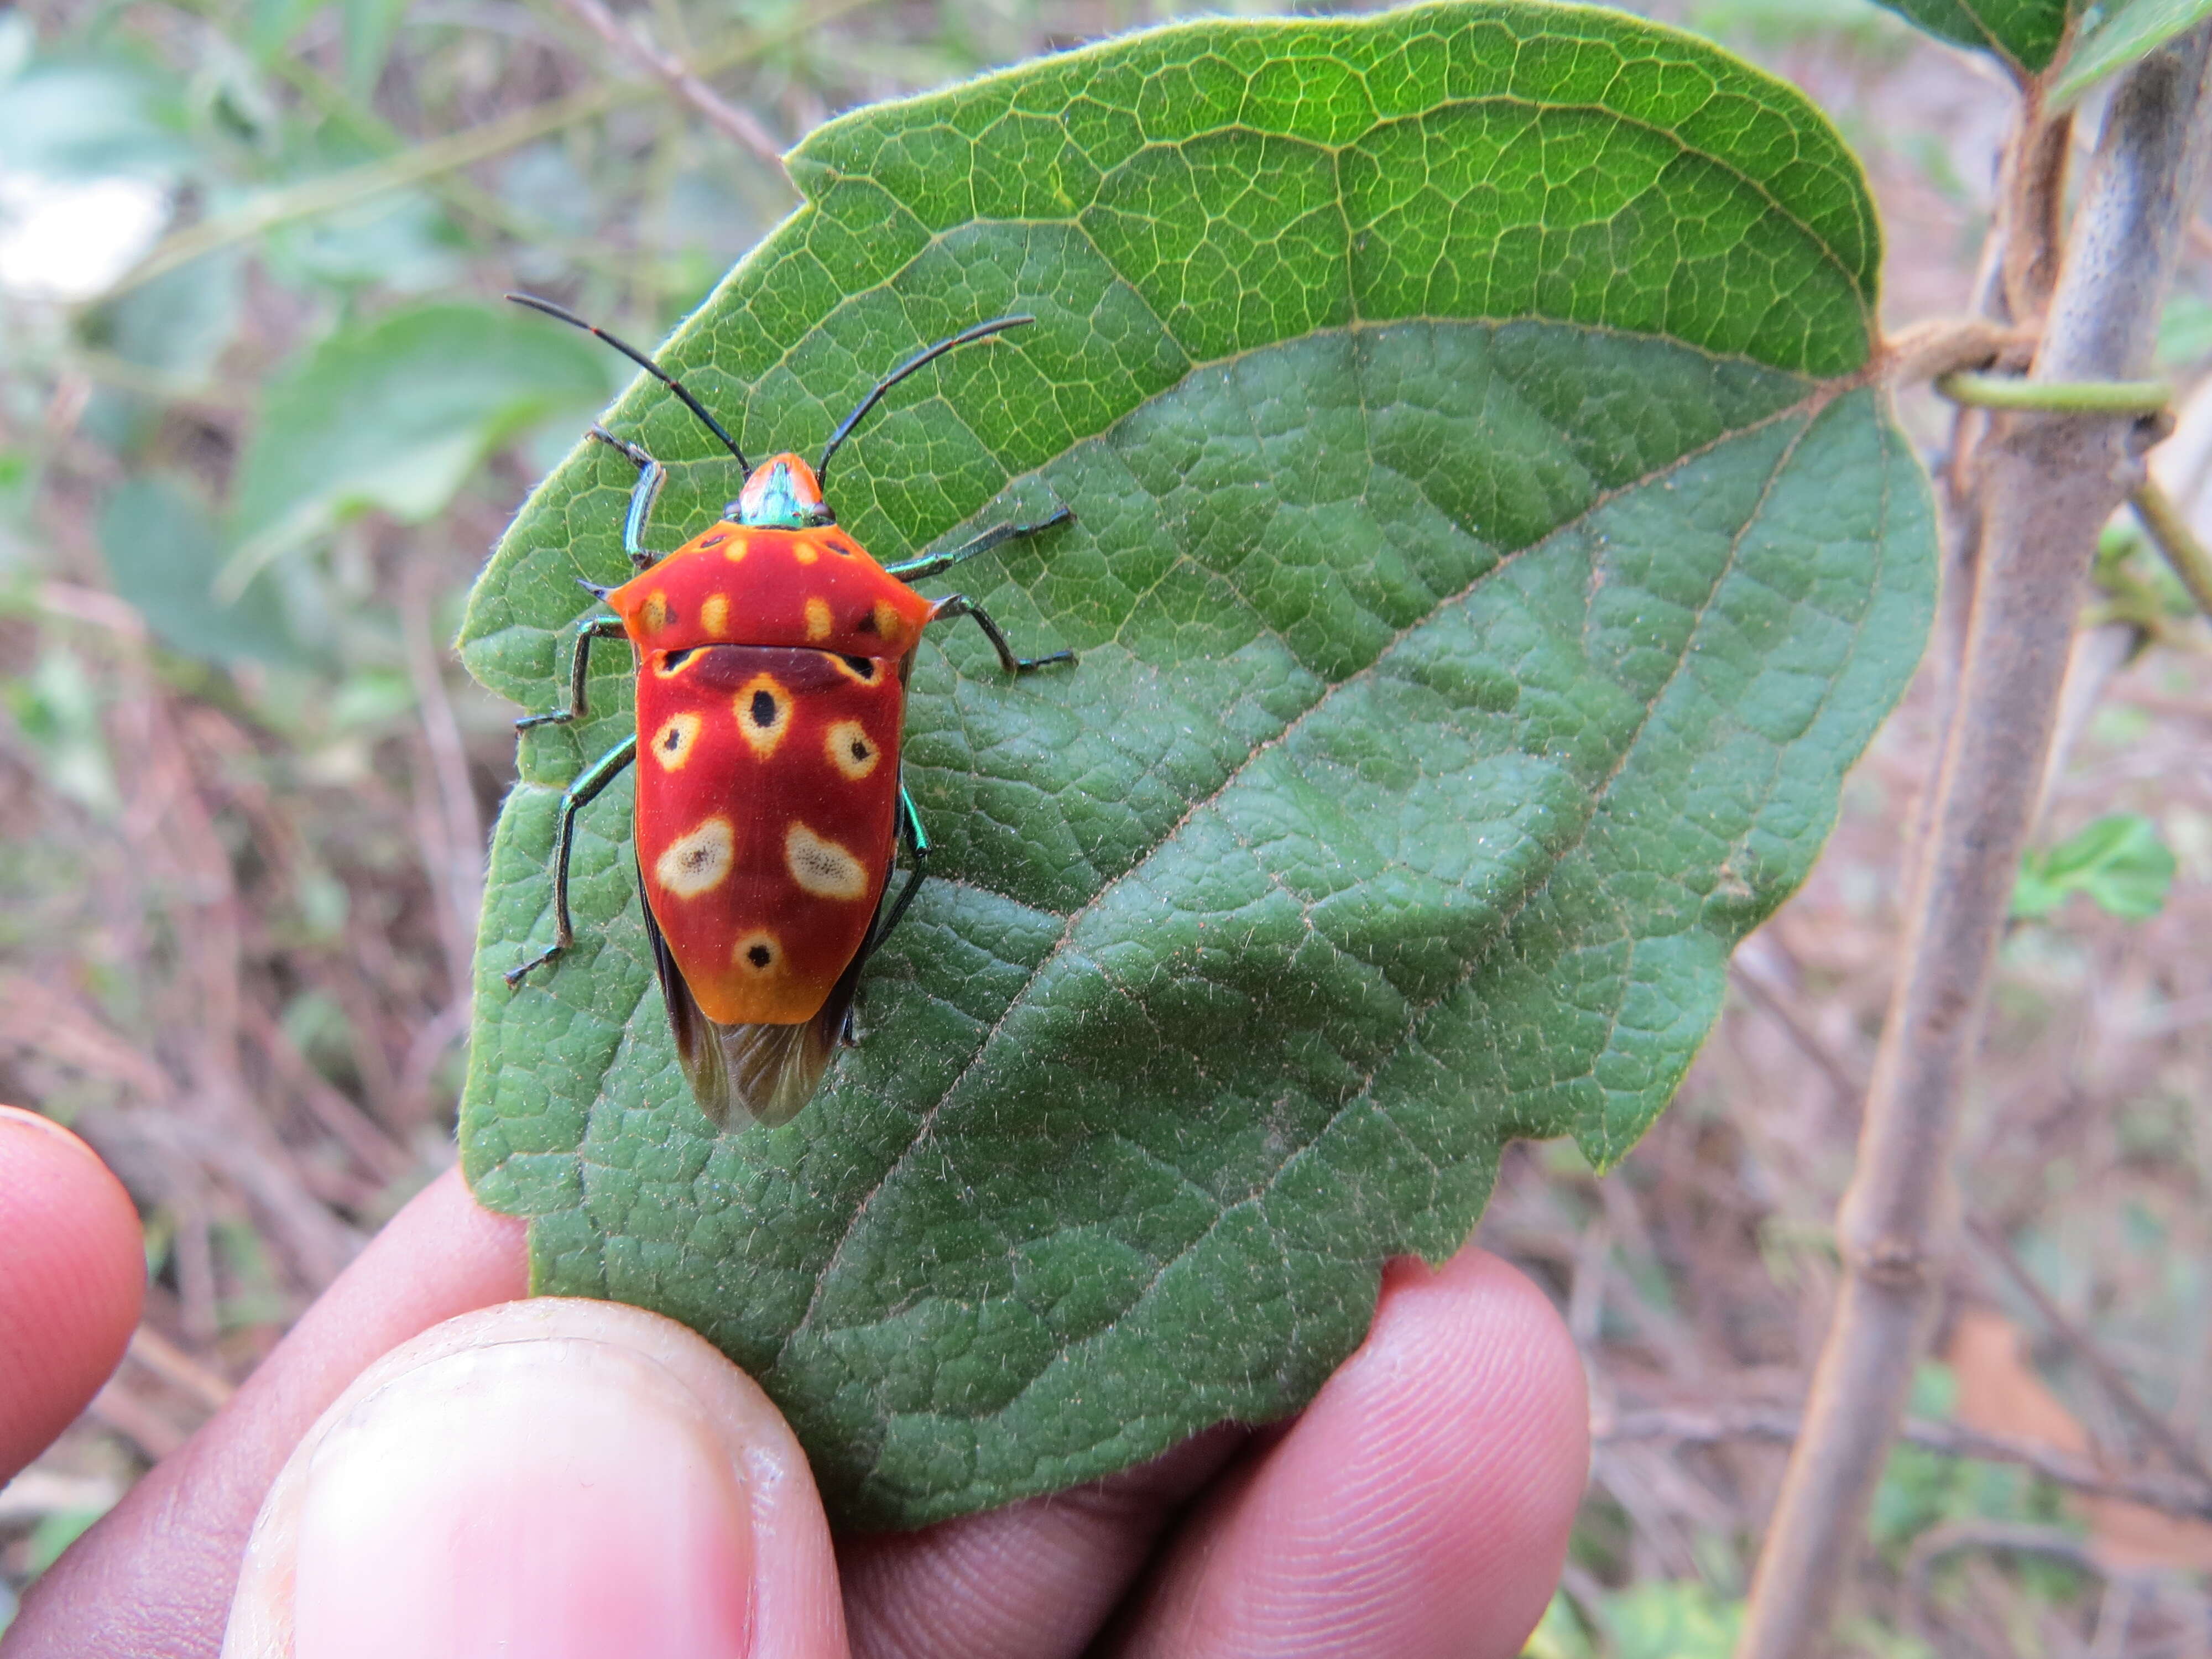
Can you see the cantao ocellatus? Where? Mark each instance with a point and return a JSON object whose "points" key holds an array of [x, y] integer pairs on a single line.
{"points": [[772, 658]]}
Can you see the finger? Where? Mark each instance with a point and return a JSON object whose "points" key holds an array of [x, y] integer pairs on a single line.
{"points": [[153, 1580], [1419, 1507], [568, 1478], [1034, 1580], [72, 1280]]}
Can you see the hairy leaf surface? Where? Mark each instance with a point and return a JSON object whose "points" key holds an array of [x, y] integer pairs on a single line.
{"points": [[1490, 552]]}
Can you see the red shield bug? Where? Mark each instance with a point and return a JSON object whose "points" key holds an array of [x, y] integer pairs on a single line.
{"points": [[772, 657]]}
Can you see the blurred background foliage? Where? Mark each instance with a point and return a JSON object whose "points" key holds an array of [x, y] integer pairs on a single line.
{"points": [[261, 416]]}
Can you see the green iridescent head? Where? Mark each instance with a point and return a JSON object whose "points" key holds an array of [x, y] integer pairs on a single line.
{"points": [[782, 494]]}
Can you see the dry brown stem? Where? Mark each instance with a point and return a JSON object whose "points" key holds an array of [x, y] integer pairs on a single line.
{"points": [[1696, 1426], [726, 118], [2120, 1392], [2044, 485]]}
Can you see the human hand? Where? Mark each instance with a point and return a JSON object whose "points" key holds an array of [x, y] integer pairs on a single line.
{"points": [[442, 1470]]}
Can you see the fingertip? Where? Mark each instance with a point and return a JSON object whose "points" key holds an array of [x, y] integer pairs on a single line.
{"points": [[547, 1476], [1420, 1505], [72, 1280]]}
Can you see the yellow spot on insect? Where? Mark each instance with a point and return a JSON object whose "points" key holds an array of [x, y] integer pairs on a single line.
{"points": [[714, 616], [737, 549], [804, 550], [889, 622], [672, 744], [851, 749], [823, 867], [655, 613], [818, 620], [762, 707], [759, 952], [698, 862], [866, 670]]}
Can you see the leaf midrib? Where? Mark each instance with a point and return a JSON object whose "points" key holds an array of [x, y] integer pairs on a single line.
{"points": [[1410, 1031], [1809, 406]]}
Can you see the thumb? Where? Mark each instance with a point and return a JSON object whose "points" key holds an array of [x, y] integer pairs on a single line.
{"points": [[569, 1479]]}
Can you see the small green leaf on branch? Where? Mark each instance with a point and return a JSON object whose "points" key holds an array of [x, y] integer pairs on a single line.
{"points": [[2120, 862], [2117, 35]]}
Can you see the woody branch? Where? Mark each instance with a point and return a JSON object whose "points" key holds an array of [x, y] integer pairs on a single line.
{"points": [[2043, 486]]}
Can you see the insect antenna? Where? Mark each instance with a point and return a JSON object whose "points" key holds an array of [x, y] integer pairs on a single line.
{"points": [[643, 362], [981, 330]]}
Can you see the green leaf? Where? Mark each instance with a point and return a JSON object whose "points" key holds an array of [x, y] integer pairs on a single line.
{"points": [[2119, 861], [162, 556], [2115, 35], [2025, 34], [396, 414], [1488, 559]]}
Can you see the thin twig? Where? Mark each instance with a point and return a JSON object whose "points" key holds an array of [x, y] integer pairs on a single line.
{"points": [[426, 161], [2046, 486], [2170, 533], [1703, 1426], [1847, 1084], [1950, 345], [2120, 1392], [2034, 192], [732, 122], [2056, 397]]}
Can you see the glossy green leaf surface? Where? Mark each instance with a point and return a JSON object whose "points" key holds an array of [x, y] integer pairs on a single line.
{"points": [[2025, 34], [1488, 559], [2119, 33]]}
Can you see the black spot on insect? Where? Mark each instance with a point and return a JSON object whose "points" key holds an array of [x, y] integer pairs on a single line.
{"points": [[763, 708], [675, 659], [714, 540], [674, 740], [860, 751], [863, 667], [866, 625], [760, 955]]}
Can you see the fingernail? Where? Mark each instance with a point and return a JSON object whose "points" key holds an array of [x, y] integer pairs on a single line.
{"points": [[556, 1496]]}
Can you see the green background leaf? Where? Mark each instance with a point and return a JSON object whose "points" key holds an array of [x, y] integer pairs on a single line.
{"points": [[2025, 34], [2120, 862], [1488, 558], [2119, 33], [396, 414]]}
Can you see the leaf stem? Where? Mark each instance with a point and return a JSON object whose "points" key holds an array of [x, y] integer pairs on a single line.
{"points": [[2045, 488], [2136, 398], [2170, 533]]}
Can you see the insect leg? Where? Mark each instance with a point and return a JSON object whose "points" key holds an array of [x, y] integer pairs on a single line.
{"points": [[917, 846], [959, 604], [579, 667], [929, 564], [581, 793], [651, 475]]}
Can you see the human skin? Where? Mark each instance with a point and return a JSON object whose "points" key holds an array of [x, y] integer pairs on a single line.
{"points": [[616, 1486]]}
